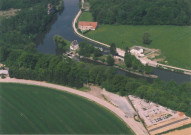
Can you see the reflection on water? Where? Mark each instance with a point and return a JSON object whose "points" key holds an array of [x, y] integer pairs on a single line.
{"points": [[41, 37]]}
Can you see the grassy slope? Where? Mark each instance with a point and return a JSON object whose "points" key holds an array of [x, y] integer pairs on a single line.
{"points": [[32, 109], [173, 41], [86, 16]]}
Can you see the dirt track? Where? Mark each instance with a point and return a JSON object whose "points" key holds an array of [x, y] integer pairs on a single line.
{"points": [[130, 122], [186, 131]]}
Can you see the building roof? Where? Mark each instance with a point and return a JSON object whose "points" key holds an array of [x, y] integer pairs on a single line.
{"points": [[5, 72], [136, 48], [75, 42], [93, 24]]}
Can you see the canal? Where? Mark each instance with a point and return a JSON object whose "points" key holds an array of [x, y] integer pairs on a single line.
{"points": [[62, 25]]}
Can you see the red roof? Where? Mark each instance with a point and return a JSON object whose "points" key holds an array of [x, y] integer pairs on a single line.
{"points": [[93, 24]]}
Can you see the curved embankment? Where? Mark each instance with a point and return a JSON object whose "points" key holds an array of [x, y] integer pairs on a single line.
{"points": [[120, 51], [135, 126]]}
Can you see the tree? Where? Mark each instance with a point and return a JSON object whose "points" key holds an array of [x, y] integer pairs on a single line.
{"points": [[128, 60], [97, 52], [148, 70], [85, 49], [110, 60], [60, 43], [113, 49], [127, 50], [146, 38], [4, 53]]}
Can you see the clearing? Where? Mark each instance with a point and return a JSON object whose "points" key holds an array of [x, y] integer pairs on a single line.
{"points": [[8, 13]]}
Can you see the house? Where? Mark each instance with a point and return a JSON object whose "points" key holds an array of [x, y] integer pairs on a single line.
{"points": [[4, 73], [120, 52], [51, 9], [74, 45], [137, 51], [83, 26]]}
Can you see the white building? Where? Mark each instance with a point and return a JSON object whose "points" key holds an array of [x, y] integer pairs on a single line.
{"points": [[120, 52], [4, 72], [137, 51], [74, 45]]}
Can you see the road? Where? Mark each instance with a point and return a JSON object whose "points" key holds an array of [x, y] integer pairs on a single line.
{"points": [[130, 122]]}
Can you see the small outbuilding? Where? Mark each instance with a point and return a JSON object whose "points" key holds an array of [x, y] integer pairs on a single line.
{"points": [[137, 51], [51, 9], [4, 73], [74, 45]]}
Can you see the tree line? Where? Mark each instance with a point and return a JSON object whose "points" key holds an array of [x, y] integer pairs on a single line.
{"points": [[65, 71], [142, 12]]}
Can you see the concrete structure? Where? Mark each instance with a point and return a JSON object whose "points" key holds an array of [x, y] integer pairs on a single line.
{"points": [[83, 26], [74, 45], [137, 51], [152, 113]]}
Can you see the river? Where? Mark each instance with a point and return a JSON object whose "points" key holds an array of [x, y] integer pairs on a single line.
{"points": [[62, 25]]}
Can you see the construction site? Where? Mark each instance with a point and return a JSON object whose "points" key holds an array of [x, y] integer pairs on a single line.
{"points": [[159, 119]]}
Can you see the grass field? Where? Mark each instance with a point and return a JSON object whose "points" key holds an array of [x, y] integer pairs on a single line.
{"points": [[38, 110], [86, 16], [173, 41]]}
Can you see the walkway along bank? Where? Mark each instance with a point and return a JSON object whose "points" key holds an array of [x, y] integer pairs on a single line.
{"points": [[120, 51]]}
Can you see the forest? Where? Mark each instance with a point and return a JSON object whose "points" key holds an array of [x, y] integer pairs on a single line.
{"points": [[18, 52], [141, 12], [21, 30]]}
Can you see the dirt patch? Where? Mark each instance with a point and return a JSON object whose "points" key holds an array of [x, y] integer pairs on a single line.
{"points": [[119, 60], [95, 91], [186, 131], [8, 13], [185, 122]]}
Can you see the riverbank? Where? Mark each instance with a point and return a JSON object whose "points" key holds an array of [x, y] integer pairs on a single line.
{"points": [[122, 52], [125, 70], [130, 122]]}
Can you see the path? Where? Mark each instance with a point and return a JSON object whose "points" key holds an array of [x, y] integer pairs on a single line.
{"points": [[129, 122], [119, 51]]}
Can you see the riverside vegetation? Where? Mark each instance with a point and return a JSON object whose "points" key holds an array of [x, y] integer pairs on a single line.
{"points": [[20, 55]]}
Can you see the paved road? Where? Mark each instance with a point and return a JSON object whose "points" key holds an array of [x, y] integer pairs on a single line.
{"points": [[135, 126]]}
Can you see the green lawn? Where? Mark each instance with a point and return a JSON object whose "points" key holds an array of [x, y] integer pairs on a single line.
{"points": [[28, 109], [173, 41], [86, 16]]}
